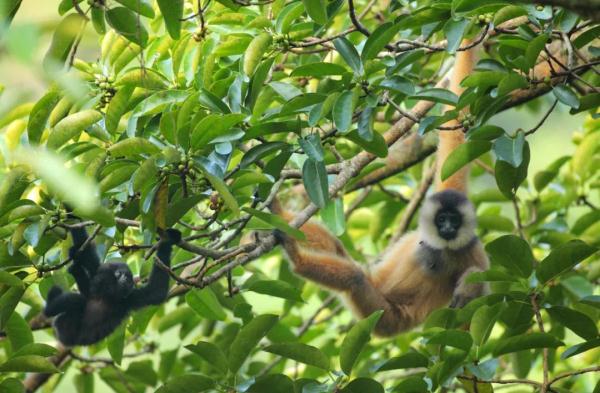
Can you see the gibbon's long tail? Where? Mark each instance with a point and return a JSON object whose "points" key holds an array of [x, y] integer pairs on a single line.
{"points": [[450, 140]]}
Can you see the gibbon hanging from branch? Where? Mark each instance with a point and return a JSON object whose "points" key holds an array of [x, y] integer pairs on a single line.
{"points": [[424, 270]]}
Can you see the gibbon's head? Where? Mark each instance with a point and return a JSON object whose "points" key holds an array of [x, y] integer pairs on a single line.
{"points": [[447, 220], [113, 281]]}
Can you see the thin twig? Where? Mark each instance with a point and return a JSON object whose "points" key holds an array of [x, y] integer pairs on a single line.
{"points": [[543, 119]]}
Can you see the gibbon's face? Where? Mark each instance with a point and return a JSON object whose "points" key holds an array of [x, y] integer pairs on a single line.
{"points": [[114, 280], [447, 220]]}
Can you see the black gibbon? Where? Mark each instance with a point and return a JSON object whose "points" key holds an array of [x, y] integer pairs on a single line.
{"points": [[106, 292], [424, 270]]}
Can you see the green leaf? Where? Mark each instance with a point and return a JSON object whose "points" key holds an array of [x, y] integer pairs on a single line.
{"points": [[566, 95], [533, 50], [453, 338], [376, 146], [8, 303], [355, 340], [509, 178], [333, 216], [580, 348], [276, 288], [285, 18], [319, 70], [437, 95], [311, 145], [586, 103], [578, 322], [213, 126], [485, 132], [20, 336], [302, 353], [39, 115], [255, 51], [562, 259], [62, 41], [483, 321], [187, 383], [276, 222], [314, 176], [363, 385], [507, 13], [9, 279], [248, 338], [272, 383], [526, 341], [342, 111], [205, 303], [454, 31], [145, 78], [408, 360], [210, 353], [118, 107], [220, 186], [378, 39], [317, 10], [71, 126], [29, 364], [400, 84], [349, 53], [142, 7], [115, 343], [125, 22], [462, 155], [132, 147], [513, 253]]}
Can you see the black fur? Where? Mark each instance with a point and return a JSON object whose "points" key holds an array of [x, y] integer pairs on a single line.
{"points": [[106, 292]]}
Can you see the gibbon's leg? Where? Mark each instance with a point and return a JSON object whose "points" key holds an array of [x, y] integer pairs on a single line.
{"points": [[465, 292], [64, 302]]}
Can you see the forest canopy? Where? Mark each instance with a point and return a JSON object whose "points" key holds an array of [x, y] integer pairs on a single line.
{"points": [[196, 115]]}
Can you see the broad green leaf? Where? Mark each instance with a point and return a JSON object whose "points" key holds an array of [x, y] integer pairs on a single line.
{"points": [[248, 338], [333, 216], [464, 154], [172, 11], [8, 302], [566, 95], [342, 111], [583, 159], [513, 253], [408, 360], [276, 288], [190, 382], [376, 146], [437, 95], [62, 40], [277, 222], [355, 340], [580, 348], [578, 322], [9, 279], [302, 353], [483, 321], [20, 336], [125, 22], [213, 126], [465, 6], [400, 84], [255, 51], [32, 348], [145, 78], [586, 103], [509, 178], [349, 53], [131, 147], [526, 341], [562, 259], [213, 356], [317, 10], [378, 39], [287, 16], [533, 50], [319, 70], [117, 107], [311, 145], [142, 7], [507, 13], [454, 31], [39, 115], [272, 383], [115, 343], [314, 176], [30, 364], [453, 338], [71, 126], [363, 385], [205, 303]]}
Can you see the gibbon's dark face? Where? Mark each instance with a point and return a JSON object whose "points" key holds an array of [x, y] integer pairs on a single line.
{"points": [[113, 280], [448, 222]]}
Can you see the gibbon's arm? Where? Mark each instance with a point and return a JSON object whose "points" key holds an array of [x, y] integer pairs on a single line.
{"points": [[85, 262], [450, 140], [157, 288]]}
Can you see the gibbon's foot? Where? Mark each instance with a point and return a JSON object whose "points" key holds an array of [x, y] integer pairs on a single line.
{"points": [[173, 236], [279, 236]]}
